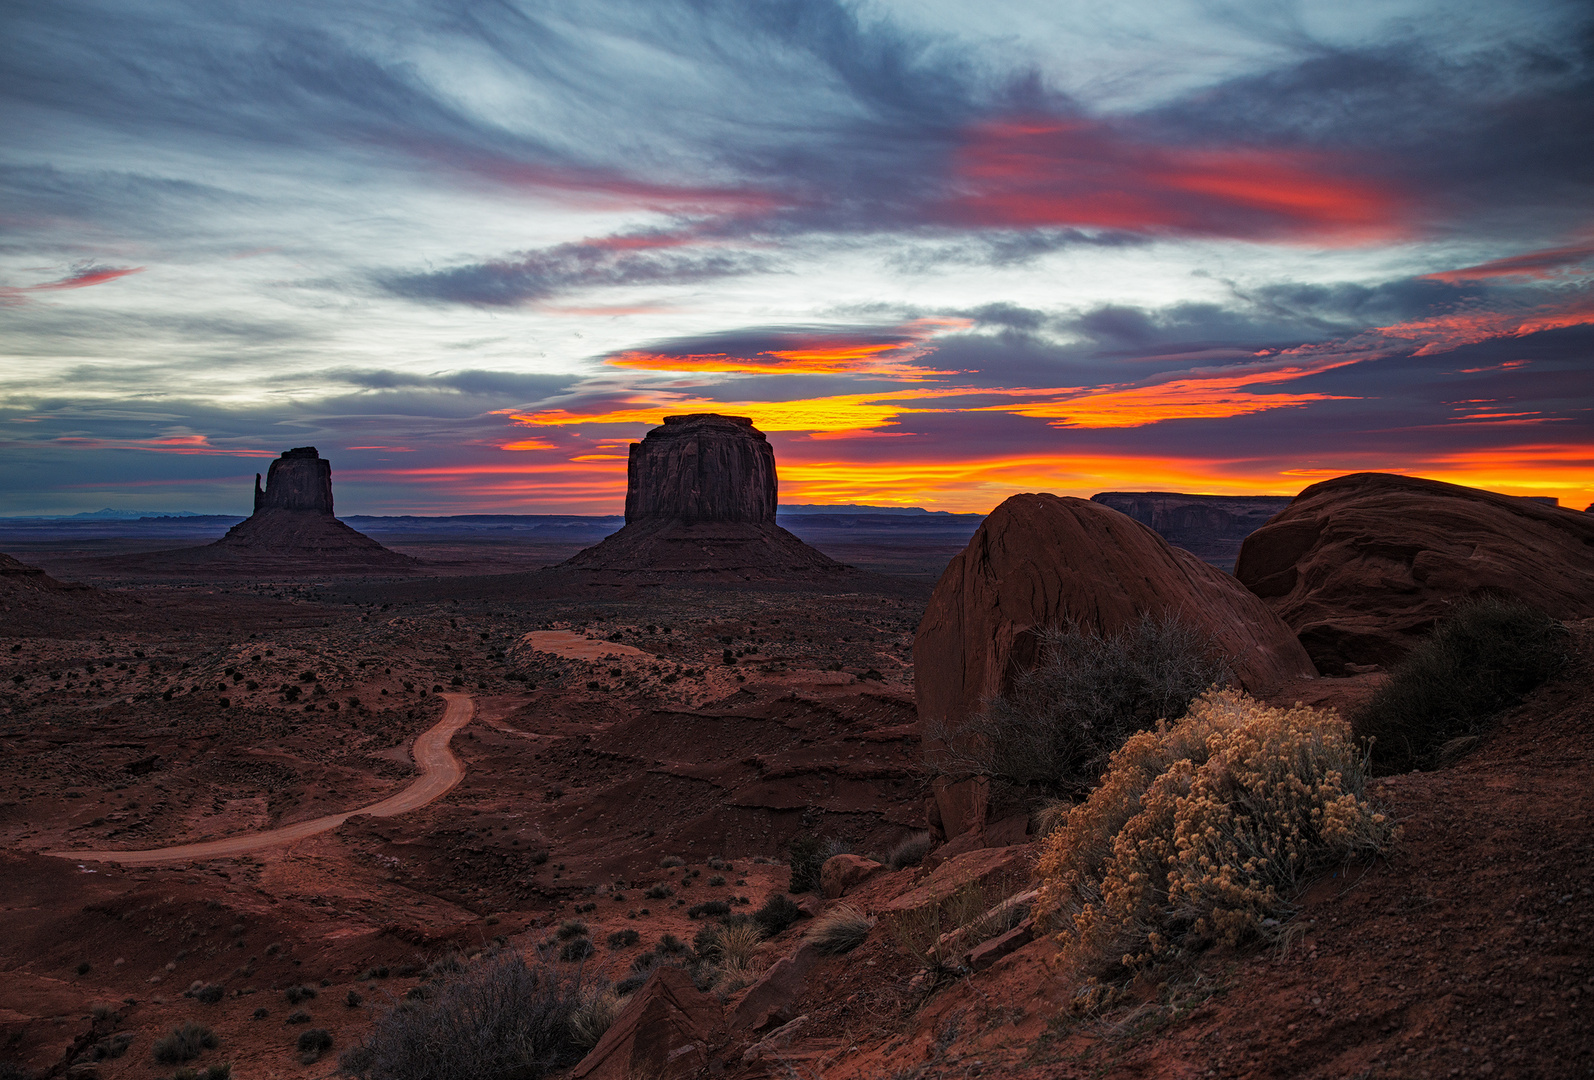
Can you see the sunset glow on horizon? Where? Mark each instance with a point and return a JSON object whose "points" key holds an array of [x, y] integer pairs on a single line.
{"points": [[938, 262]]}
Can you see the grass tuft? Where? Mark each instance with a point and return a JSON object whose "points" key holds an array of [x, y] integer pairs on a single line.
{"points": [[185, 1043], [840, 930]]}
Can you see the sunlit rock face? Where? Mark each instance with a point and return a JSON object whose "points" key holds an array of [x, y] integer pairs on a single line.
{"points": [[700, 499], [300, 479], [701, 468]]}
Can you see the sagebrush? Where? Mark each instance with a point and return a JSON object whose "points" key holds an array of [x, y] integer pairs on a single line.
{"points": [[1484, 657], [1203, 829], [1057, 723], [184, 1043], [499, 1019]]}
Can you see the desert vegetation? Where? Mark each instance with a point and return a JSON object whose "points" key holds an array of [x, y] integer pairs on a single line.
{"points": [[1480, 660], [184, 1043], [499, 1018], [1202, 830], [1054, 728]]}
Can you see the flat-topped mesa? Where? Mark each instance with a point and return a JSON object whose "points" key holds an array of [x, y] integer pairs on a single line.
{"points": [[701, 468], [300, 479], [700, 499]]}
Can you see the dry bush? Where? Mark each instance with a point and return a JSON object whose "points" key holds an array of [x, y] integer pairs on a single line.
{"points": [[184, 1043], [738, 942], [596, 1011], [840, 930], [806, 855], [919, 931], [499, 1019], [779, 912], [1058, 722], [1202, 829], [910, 851], [1481, 659]]}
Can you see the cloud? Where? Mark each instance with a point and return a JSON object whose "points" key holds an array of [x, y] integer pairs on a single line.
{"points": [[1550, 263], [80, 277], [538, 275], [882, 353]]}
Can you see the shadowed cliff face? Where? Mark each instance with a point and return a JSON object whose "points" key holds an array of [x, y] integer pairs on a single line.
{"points": [[298, 480], [702, 468]]}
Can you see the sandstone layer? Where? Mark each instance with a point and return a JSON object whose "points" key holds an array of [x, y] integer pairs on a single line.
{"points": [[1041, 560], [1361, 566], [1211, 527], [700, 500]]}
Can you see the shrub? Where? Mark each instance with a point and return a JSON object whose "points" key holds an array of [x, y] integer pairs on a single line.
{"points": [[1087, 693], [208, 993], [621, 939], [299, 1016], [598, 1007], [839, 930], [910, 852], [260, 1014], [353, 999], [1480, 660], [184, 1043], [1202, 829], [730, 943], [296, 994], [659, 892], [778, 912], [499, 1019], [571, 928], [806, 854], [670, 862], [576, 949], [918, 931], [710, 908], [716, 880], [670, 945], [314, 1042]]}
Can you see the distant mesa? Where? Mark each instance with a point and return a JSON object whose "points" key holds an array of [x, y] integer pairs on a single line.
{"points": [[1361, 566], [1211, 527], [700, 499], [18, 579], [293, 520]]}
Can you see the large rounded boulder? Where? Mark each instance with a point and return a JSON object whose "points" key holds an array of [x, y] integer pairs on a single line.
{"points": [[1041, 560], [1362, 566]]}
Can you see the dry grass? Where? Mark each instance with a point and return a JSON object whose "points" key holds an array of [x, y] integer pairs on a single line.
{"points": [[1202, 829], [920, 932], [840, 930], [593, 1014]]}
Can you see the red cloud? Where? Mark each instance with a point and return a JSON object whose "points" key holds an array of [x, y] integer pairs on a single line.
{"points": [[1024, 173], [1533, 264], [78, 279]]}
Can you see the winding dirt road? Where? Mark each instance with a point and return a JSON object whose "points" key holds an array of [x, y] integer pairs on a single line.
{"points": [[440, 771]]}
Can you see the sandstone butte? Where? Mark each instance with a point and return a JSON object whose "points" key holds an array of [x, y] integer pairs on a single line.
{"points": [[701, 492], [1361, 566], [1040, 560], [293, 521]]}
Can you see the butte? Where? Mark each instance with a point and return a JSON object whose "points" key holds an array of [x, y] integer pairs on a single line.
{"points": [[700, 500]]}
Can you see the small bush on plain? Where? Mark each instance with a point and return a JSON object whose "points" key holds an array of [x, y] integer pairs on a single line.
{"points": [[1202, 829], [709, 908], [499, 1019], [1088, 692], [806, 855], [297, 994], [778, 912], [314, 1042], [185, 1043], [571, 928], [576, 949], [208, 993], [840, 930], [1480, 660], [622, 939]]}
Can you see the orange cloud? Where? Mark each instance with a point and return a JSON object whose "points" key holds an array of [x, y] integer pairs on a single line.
{"points": [[807, 353], [1450, 331], [78, 279], [1551, 262]]}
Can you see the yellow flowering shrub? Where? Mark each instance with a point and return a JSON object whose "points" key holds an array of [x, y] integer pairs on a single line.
{"points": [[1204, 828]]}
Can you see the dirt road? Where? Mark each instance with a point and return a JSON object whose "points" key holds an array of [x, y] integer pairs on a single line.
{"points": [[440, 770]]}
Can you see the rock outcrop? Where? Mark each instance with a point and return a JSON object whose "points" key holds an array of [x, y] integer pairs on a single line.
{"points": [[1039, 560], [293, 524], [17, 578], [1361, 566], [665, 1032], [700, 499], [1211, 527]]}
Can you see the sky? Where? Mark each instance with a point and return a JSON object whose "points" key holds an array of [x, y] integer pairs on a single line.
{"points": [[940, 252]]}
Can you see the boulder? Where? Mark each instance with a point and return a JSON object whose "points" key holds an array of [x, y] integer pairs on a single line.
{"points": [[664, 1032], [774, 997], [999, 872], [1361, 566], [842, 872], [701, 493], [1040, 560]]}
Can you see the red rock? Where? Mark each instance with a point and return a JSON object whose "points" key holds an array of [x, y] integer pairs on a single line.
{"points": [[842, 872], [773, 996], [1000, 871], [962, 804], [1040, 559], [664, 1033], [1361, 566], [300, 479], [989, 952]]}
